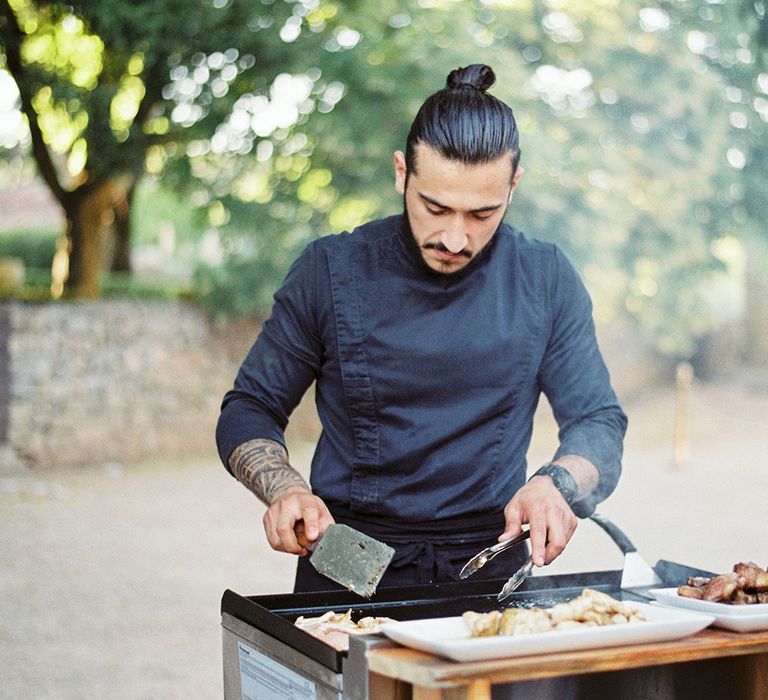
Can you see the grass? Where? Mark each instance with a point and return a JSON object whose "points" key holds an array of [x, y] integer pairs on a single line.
{"points": [[115, 285]]}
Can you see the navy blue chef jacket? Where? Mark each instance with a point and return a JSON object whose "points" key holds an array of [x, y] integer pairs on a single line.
{"points": [[426, 383]]}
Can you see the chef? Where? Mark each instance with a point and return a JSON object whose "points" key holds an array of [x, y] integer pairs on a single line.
{"points": [[431, 335]]}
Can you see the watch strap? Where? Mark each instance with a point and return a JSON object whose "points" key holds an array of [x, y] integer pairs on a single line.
{"points": [[562, 479], [566, 484]]}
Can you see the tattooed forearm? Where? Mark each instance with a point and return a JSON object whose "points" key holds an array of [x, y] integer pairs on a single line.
{"points": [[262, 466]]}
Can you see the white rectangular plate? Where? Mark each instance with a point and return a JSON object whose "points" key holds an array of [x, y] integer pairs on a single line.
{"points": [[449, 636], [739, 618]]}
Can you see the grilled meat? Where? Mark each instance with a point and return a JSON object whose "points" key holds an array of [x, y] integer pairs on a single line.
{"points": [[741, 597], [698, 581], [722, 587], [516, 621], [746, 584], [691, 591], [591, 609], [483, 624], [335, 628], [754, 577]]}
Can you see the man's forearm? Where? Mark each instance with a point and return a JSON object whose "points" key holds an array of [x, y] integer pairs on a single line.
{"points": [[262, 466], [584, 473]]}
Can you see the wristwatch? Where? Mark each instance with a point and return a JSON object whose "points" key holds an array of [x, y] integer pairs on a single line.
{"points": [[562, 479]]}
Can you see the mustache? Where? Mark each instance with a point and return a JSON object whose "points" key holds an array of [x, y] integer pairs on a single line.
{"points": [[443, 249]]}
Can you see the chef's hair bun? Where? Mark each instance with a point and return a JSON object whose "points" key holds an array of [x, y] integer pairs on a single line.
{"points": [[477, 76]]}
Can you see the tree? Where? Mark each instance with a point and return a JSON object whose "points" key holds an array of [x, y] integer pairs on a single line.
{"points": [[277, 120], [732, 38], [107, 85], [620, 146]]}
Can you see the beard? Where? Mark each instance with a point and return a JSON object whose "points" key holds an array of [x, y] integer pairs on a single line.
{"points": [[417, 250]]}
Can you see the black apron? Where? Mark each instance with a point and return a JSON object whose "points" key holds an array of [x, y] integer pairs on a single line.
{"points": [[425, 552]]}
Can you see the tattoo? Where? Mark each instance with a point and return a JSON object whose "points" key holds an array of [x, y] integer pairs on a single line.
{"points": [[262, 466]]}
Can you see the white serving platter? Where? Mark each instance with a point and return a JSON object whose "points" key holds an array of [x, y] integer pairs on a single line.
{"points": [[449, 636], [738, 618]]}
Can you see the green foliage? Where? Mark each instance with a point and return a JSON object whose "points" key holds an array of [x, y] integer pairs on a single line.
{"points": [[732, 38], [620, 175], [158, 209], [35, 247], [112, 89], [642, 129]]}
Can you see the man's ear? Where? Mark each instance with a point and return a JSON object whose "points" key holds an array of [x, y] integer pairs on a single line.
{"points": [[400, 172], [515, 180]]}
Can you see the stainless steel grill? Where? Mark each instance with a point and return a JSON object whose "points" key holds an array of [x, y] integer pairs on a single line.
{"points": [[266, 656]]}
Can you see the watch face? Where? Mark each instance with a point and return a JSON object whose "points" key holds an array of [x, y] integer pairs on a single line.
{"points": [[563, 481]]}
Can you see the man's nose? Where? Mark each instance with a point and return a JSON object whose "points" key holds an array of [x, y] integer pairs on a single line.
{"points": [[454, 237]]}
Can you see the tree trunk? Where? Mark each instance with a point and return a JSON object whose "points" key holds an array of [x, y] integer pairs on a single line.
{"points": [[90, 218], [121, 253]]}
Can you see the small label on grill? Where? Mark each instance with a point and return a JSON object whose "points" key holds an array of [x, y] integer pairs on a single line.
{"points": [[263, 678]]}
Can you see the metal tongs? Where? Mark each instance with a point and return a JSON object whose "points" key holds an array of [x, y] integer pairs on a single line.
{"points": [[514, 581], [482, 558]]}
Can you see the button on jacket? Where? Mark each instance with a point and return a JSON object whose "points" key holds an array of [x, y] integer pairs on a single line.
{"points": [[426, 383]]}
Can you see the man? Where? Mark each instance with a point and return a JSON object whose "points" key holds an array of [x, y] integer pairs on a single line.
{"points": [[431, 336]]}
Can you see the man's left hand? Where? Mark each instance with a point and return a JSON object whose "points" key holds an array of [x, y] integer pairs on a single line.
{"points": [[549, 517]]}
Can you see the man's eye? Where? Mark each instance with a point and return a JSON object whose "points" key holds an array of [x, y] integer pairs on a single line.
{"points": [[482, 217], [436, 212]]}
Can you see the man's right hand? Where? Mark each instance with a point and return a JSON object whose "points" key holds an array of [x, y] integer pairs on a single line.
{"points": [[262, 466], [287, 509]]}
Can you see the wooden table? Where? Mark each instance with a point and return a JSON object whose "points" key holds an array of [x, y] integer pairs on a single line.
{"points": [[710, 664]]}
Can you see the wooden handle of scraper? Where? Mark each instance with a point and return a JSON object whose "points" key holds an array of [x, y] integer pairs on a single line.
{"points": [[301, 536]]}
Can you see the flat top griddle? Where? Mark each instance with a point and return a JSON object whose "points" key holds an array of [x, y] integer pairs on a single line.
{"points": [[275, 614]]}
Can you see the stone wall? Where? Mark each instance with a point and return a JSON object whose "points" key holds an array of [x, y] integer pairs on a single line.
{"points": [[95, 382], [120, 381]]}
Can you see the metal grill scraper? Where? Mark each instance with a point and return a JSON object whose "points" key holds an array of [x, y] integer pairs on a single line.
{"points": [[348, 557]]}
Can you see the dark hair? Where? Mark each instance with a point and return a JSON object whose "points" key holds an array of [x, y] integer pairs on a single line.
{"points": [[463, 122]]}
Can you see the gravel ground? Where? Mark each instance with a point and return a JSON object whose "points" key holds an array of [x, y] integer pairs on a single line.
{"points": [[112, 575]]}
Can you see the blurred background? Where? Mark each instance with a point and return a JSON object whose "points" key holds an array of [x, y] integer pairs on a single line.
{"points": [[161, 165]]}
